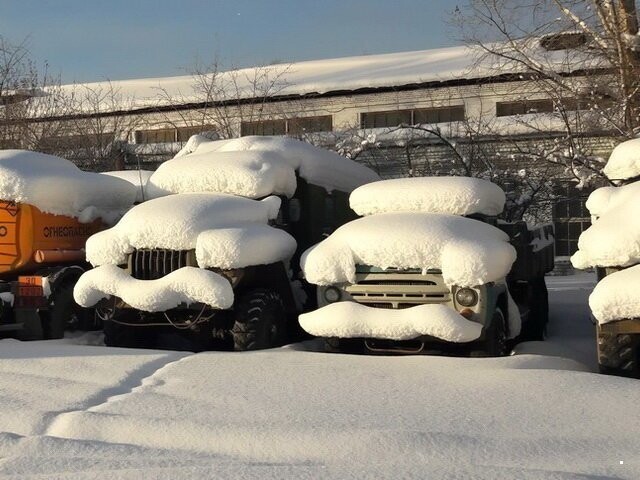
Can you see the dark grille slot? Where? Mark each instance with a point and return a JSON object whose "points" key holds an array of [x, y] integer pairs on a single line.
{"points": [[396, 282], [154, 264]]}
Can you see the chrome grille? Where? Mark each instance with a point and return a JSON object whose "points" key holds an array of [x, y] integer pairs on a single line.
{"points": [[147, 264], [398, 290]]}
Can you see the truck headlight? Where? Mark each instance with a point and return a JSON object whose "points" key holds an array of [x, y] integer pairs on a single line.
{"points": [[467, 297], [332, 294]]}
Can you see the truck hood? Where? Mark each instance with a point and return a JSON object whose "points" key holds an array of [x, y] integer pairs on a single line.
{"points": [[467, 251]]}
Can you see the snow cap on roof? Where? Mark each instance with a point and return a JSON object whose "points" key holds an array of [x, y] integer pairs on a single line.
{"points": [[255, 167], [452, 195], [624, 162], [55, 185], [468, 252], [138, 178]]}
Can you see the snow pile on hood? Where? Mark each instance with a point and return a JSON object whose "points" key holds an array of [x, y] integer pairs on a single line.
{"points": [[468, 252], [624, 162], [616, 296], [255, 167], [354, 320], [184, 286], [614, 238], [452, 195], [242, 245], [55, 185], [138, 178], [176, 222]]}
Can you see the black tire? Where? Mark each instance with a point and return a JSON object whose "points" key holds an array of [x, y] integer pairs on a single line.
{"points": [[259, 321], [495, 342], [344, 345], [64, 313], [619, 354]]}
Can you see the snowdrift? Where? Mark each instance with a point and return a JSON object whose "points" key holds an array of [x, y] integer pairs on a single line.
{"points": [[184, 286], [354, 320], [176, 222], [624, 162], [468, 252], [55, 185], [451, 195], [255, 167], [616, 297]]}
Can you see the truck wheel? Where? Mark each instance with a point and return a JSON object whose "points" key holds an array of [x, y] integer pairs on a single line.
{"points": [[259, 320], [343, 345], [619, 354], [495, 343], [64, 313]]}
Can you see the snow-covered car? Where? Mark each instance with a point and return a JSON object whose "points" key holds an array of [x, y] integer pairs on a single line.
{"points": [[212, 253], [612, 246], [429, 268]]}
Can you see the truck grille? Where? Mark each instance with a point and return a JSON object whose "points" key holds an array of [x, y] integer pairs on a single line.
{"points": [[146, 264], [398, 290]]}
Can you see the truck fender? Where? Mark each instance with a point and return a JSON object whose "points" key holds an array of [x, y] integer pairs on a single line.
{"points": [[60, 276]]}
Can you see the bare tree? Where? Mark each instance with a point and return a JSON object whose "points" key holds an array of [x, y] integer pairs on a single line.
{"points": [[584, 56]]}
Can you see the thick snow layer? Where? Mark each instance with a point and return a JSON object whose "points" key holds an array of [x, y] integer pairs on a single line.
{"points": [[242, 245], [614, 238], [624, 161], [175, 222], [468, 251], [78, 411], [617, 296], [138, 178], [184, 286], [255, 167], [452, 195], [55, 185], [326, 75], [354, 320], [609, 198]]}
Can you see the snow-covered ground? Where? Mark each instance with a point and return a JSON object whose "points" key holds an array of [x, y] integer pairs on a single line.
{"points": [[74, 410]]}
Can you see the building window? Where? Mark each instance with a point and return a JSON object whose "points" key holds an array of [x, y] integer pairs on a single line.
{"points": [[185, 133], [298, 126], [507, 109], [162, 135], [570, 218], [394, 118], [438, 115], [391, 118], [293, 126]]}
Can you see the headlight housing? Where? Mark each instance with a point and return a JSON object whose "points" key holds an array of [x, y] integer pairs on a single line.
{"points": [[332, 294], [467, 297]]}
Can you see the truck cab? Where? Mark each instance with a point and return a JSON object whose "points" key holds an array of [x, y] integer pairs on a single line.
{"points": [[239, 213], [511, 303]]}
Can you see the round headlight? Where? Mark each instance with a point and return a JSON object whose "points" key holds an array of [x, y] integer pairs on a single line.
{"points": [[332, 294], [467, 297]]}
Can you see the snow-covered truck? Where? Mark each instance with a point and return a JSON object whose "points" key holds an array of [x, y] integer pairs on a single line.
{"points": [[211, 259], [48, 209], [612, 246], [429, 268]]}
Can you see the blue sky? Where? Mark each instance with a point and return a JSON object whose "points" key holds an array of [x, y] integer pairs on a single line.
{"points": [[117, 39]]}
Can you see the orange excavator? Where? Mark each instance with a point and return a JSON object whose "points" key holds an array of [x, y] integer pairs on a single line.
{"points": [[41, 258]]}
